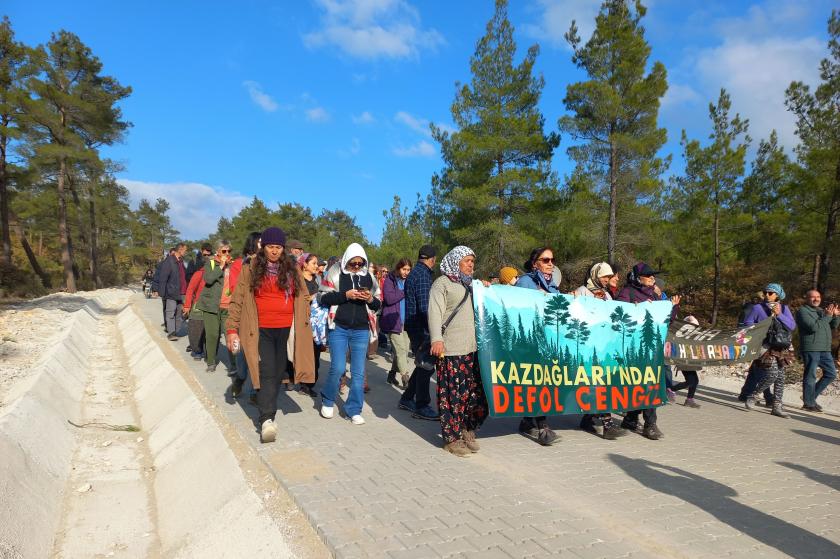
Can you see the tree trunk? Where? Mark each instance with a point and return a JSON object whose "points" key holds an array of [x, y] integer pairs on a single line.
{"points": [[63, 231], [716, 284], [500, 167], [830, 230], [815, 273], [94, 263], [5, 233], [15, 222], [613, 177]]}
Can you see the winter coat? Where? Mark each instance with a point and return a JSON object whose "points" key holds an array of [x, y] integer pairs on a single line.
{"points": [[392, 297], [535, 280], [761, 312], [242, 318], [214, 280], [633, 293], [169, 281], [194, 290], [815, 327], [355, 314]]}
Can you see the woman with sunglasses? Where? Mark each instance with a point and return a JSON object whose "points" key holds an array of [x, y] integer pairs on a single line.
{"points": [[350, 291], [539, 275], [269, 306], [215, 300]]}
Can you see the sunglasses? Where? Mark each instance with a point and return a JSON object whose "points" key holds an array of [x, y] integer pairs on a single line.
{"points": [[770, 293], [355, 264], [546, 260], [225, 251]]}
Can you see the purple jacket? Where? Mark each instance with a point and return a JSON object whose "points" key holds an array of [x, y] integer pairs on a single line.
{"points": [[760, 312], [391, 322], [631, 293]]}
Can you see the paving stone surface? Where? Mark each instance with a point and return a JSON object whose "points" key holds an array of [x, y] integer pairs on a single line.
{"points": [[724, 482]]}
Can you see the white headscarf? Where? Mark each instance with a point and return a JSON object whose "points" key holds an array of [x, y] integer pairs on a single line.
{"points": [[598, 271], [449, 265]]}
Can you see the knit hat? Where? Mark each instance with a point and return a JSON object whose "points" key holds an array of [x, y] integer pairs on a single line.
{"points": [[777, 289], [273, 236], [506, 274]]}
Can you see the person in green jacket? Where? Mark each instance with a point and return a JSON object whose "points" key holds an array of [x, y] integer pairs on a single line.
{"points": [[215, 299], [815, 325]]}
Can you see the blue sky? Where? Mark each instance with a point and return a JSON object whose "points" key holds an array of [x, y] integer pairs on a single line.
{"points": [[327, 102]]}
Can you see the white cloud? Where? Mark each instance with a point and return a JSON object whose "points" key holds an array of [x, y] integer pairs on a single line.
{"points": [[258, 96], [556, 17], [680, 94], [195, 208], [420, 149], [354, 149], [317, 114], [364, 118], [372, 29], [420, 125]]}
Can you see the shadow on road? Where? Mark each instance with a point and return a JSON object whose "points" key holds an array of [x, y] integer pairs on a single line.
{"points": [[830, 480], [718, 500]]}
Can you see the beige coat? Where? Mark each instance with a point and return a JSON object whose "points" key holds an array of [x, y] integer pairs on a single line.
{"points": [[242, 316]]}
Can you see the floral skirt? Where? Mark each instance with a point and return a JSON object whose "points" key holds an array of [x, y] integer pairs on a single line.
{"points": [[461, 399]]}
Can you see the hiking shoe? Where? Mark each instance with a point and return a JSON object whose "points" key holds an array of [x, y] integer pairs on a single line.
{"points": [[426, 412], [612, 432], [547, 437], [407, 405], [672, 396], [528, 428], [357, 420], [211, 368], [469, 440], [652, 432], [236, 387], [816, 408], [691, 403], [587, 423], [749, 403], [629, 425], [458, 448], [268, 432], [172, 337], [327, 412], [779, 411]]}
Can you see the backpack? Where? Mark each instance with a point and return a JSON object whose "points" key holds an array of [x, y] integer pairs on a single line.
{"points": [[778, 336]]}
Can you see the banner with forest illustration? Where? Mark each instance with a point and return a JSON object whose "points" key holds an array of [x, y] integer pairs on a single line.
{"points": [[553, 354]]}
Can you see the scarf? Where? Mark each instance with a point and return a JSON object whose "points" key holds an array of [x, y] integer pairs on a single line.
{"points": [[450, 268], [599, 270]]}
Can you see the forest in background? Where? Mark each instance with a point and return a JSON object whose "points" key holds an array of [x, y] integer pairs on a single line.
{"points": [[720, 229]]}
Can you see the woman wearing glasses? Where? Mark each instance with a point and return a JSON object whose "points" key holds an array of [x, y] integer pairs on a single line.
{"points": [[269, 305], [215, 299], [539, 275], [350, 291]]}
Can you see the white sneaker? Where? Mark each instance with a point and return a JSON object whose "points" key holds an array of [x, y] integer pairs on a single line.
{"points": [[357, 420], [327, 412], [268, 431]]}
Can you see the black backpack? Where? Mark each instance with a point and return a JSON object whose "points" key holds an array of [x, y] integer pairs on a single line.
{"points": [[778, 336]]}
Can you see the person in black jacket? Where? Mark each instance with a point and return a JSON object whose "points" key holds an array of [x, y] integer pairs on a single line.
{"points": [[173, 287]]}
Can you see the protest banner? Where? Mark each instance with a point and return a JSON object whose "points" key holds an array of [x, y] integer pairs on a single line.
{"points": [[690, 347], [552, 354]]}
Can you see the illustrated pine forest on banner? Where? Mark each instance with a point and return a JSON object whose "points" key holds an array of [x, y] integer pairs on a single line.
{"points": [[552, 354]]}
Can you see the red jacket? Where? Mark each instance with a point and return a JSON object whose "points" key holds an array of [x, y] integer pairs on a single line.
{"points": [[235, 270], [194, 289]]}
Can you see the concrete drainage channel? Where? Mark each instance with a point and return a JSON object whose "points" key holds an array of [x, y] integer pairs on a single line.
{"points": [[177, 487]]}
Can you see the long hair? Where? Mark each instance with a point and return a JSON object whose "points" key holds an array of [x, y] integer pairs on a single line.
{"points": [[532, 259], [251, 242], [287, 273], [400, 263]]}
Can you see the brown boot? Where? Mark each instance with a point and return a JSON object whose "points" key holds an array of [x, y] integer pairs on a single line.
{"points": [[458, 448], [470, 442]]}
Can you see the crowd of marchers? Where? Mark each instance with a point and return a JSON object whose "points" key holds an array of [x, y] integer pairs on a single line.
{"points": [[277, 308]]}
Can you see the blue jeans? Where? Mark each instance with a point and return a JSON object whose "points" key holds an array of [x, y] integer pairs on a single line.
{"points": [[811, 389], [357, 341]]}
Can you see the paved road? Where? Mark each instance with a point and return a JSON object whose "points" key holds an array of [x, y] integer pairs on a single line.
{"points": [[724, 481]]}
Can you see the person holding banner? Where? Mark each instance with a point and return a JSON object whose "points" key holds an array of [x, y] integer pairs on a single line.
{"points": [[597, 285], [770, 367], [461, 399], [539, 275], [641, 288], [692, 379]]}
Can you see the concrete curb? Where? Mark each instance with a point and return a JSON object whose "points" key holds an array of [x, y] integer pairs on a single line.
{"points": [[37, 443], [205, 507]]}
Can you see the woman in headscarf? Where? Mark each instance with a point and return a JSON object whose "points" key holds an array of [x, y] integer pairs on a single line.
{"points": [[461, 399], [539, 275], [350, 291], [770, 367], [597, 285], [268, 308]]}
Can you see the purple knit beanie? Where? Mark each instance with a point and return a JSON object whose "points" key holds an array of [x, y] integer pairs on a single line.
{"points": [[273, 236]]}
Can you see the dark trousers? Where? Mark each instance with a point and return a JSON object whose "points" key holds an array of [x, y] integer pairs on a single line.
{"points": [[272, 348], [317, 349], [755, 377], [195, 330], [418, 384], [632, 417], [691, 382], [163, 303]]}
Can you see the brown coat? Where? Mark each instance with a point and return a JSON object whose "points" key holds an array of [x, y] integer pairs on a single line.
{"points": [[242, 316]]}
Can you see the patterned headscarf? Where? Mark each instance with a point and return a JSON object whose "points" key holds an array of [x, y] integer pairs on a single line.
{"points": [[599, 270], [449, 264], [301, 260], [777, 289]]}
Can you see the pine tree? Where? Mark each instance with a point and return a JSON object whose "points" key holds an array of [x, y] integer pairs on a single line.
{"points": [[624, 324], [402, 235], [818, 128], [579, 332], [647, 338], [498, 162], [711, 182], [614, 114], [595, 361], [556, 314]]}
